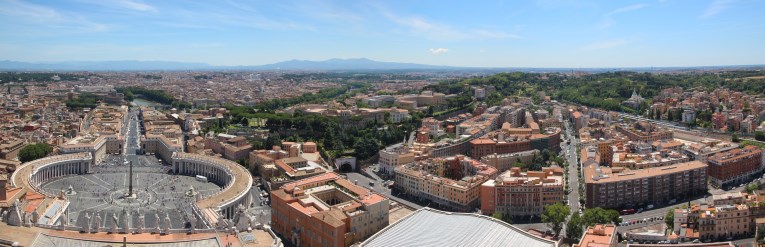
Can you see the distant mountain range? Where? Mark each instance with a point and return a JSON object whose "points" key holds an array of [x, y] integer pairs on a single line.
{"points": [[132, 65], [335, 64]]}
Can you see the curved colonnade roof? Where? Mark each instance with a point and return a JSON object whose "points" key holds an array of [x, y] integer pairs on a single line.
{"points": [[21, 176], [430, 227], [242, 181]]}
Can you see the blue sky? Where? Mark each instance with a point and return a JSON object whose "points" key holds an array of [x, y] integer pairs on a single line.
{"points": [[542, 33]]}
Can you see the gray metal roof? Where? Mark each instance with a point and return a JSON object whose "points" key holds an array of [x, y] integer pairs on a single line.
{"points": [[430, 227]]}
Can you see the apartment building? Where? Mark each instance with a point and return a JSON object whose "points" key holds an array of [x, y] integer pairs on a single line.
{"points": [[504, 162], [704, 149], [327, 210], [292, 161], [452, 182], [9, 148], [644, 132], [653, 159], [517, 193], [392, 157], [512, 140], [734, 166], [478, 125], [719, 222], [619, 187], [229, 146]]}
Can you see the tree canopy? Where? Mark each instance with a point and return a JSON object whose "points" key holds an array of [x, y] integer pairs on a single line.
{"points": [[593, 216], [669, 219], [574, 228], [158, 96], [84, 100], [555, 215], [34, 151]]}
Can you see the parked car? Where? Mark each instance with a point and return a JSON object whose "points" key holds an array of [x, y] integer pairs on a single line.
{"points": [[650, 206]]}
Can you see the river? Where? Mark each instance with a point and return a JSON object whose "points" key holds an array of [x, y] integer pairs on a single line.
{"points": [[143, 102]]}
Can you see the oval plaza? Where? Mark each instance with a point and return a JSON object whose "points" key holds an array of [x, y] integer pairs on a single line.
{"points": [[108, 187]]}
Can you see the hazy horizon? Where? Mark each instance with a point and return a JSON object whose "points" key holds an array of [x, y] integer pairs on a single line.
{"points": [[496, 34], [214, 66]]}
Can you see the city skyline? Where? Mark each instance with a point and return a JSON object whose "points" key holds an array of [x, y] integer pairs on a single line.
{"points": [[491, 34]]}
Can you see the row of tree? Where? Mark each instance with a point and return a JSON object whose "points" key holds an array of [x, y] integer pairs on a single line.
{"points": [[84, 100], [338, 93], [331, 134], [6, 77], [159, 96], [603, 90]]}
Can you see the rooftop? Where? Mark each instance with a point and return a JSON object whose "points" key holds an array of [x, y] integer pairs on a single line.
{"points": [[597, 174], [430, 227], [598, 235]]}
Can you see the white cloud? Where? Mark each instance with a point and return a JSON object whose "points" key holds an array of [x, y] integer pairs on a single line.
{"points": [[608, 18], [716, 7], [436, 51], [48, 17], [627, 9], [135, 5], [604, 45], [442, 32], [131, 5]]}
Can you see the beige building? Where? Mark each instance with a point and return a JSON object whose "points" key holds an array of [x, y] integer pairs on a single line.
{"points": [[517, 193], [392, 157], [504, 162], [453, 182], [642, 161], [718, 222], [160, 145], [97, 146]]}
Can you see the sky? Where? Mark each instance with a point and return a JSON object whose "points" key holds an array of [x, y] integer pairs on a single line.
{"points": [[540, 33]]}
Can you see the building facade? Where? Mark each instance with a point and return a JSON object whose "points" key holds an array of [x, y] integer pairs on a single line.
{"points": [[623, 188], [453, 182], [327, 210], [517, 193], [734, 166]]}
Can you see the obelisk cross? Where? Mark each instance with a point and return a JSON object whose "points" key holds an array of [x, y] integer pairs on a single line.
{"points": [[130, 188]]}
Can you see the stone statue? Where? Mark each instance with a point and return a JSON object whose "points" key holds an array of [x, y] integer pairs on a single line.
{"points": [[141, 222], [63, 220], [167, 224], [97, 223], [157, 221], [126, 221], [115, 223], [87, 222], [262, 218]]}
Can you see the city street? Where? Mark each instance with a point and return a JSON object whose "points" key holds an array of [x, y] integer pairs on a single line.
{"points": [[257, 209], [569, 151], [132, 136], [378, 187]]}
